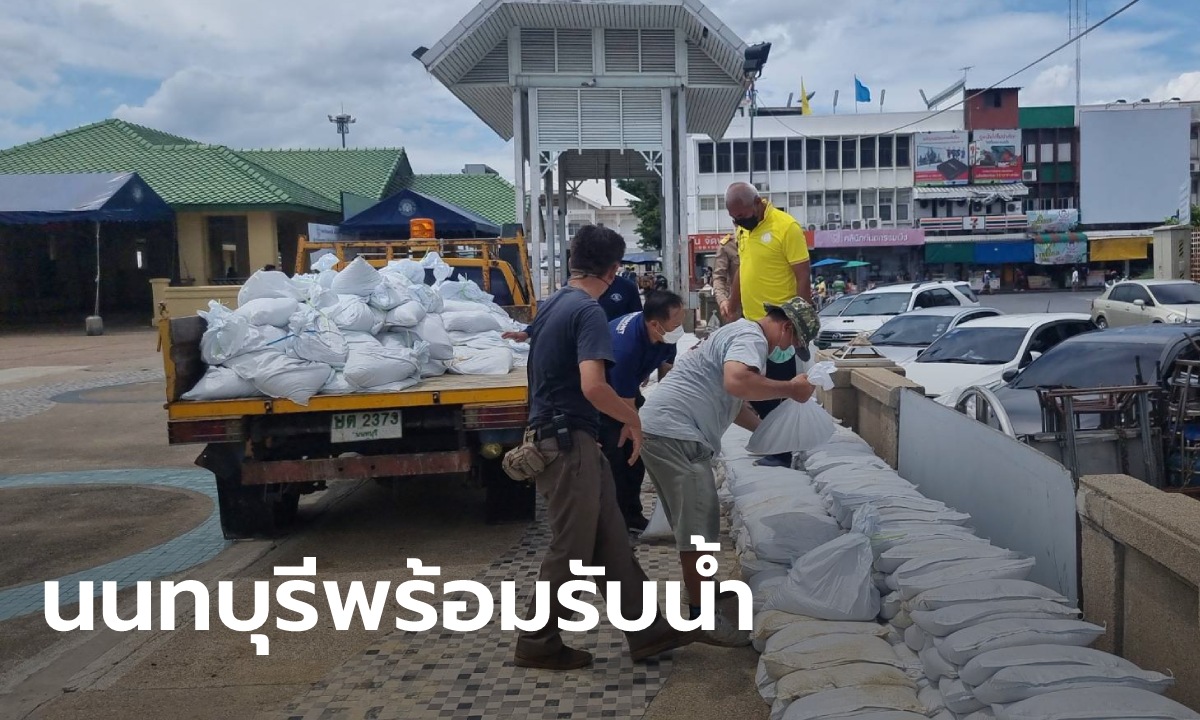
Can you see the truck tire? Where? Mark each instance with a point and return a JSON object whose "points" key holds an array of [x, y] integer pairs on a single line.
{"points": [[507, 500], [247, 511]]}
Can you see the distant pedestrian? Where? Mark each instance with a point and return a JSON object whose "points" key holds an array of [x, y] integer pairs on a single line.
{"points": [[1075, 280], [1020, 280]]}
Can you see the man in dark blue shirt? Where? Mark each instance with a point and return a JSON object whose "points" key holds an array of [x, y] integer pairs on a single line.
{"points": [[620, 299], [570, 347], [643, 342]]}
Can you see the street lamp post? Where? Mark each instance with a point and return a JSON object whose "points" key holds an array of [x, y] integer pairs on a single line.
{"points": [[752, 65]]}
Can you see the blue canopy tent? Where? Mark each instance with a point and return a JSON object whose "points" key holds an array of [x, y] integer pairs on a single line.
{"points": [[39, 199], [390, 217], [827, 261], [642, 258]]}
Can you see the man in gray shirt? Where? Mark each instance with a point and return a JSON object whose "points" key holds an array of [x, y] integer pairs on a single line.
{"points": [[685, 417]]}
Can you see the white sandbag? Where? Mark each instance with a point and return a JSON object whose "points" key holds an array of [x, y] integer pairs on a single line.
{"points": [[228, 335], [936, 666], [326, 277], [961, 646], [896, 535], [832, 582], [1014, 684], [960, 700], [792, 426], [358, 278], [429, 299], [982, 667], [769, 622], [889, 605], [268, 284], [317, 338], [932, 699], [471, 322], [390, 293], [803, 683], [337, 384], [920, 574], [910, 663], [889, 561], [353, 314], [902, 619], [280, 376], [821, 461], [766, 686], [829, 651], [354, 338], [325, 262], [433, 261], [434, 368], [659, 527], [368, 367], [848, 701], [1110, 703], [433, 331], [767, 582], [220, 383], [787, 535], [449, 305], [410, 270], [801, 631], [944, 621], [408, 314], [497, 361], [463, 291], [268, 311], [915, 638], [981, 715], [983, 591]]}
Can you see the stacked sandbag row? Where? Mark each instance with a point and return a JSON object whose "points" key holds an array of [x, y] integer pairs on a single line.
{"points": [[824, 653], [969, 636], [358, 330]]}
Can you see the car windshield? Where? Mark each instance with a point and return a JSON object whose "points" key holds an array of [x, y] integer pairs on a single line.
{"points": [[911, 330], [888, 303], [836, 307], [1184, 293], [1092, 365], [976, 346]]}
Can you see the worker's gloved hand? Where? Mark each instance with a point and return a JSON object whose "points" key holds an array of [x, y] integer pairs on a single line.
{"points": [[800, 389]]}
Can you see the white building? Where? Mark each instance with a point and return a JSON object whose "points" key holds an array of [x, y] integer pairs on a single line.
{"points": [[588, 204]]}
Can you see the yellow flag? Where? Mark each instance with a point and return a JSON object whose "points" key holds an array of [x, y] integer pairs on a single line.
{"points": [[804, 108]]}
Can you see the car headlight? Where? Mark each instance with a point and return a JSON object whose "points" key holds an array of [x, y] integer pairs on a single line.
{"points": [[1172, 318]]}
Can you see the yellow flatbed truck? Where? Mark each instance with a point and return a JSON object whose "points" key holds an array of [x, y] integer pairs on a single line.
{"points": [[266, 452]]}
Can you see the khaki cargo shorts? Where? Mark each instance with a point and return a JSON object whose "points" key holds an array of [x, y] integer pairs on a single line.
{"points": [[682, 472]]}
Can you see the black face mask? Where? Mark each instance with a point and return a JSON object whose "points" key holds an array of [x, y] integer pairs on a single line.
{"points": [[747, 223]]}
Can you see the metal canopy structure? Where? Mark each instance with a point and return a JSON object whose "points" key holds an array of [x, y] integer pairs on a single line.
{"points": [[594, 90]]}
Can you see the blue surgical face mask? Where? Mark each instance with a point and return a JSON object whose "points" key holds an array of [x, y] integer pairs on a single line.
{"points": [[781, 355]]}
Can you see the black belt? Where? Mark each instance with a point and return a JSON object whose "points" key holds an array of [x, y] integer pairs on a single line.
{"points": [[549, 432]]}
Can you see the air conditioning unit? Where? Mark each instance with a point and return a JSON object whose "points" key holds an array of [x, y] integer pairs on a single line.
{"points": [[923, 203], [812, 228], [846, 226], [941, 202], [856, 224], [976, 207], [873, 223], [833, 218], [1196, 166], [1029, 176], [1013, 208]]}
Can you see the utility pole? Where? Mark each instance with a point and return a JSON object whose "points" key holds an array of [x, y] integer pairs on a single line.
{"points": [[1078, 23], [343, 122]]}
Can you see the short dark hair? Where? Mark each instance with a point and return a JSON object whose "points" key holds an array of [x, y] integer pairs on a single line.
{"points": [[595, 249], [659, 304]]}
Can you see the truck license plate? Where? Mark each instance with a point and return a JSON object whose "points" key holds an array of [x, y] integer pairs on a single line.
{"points": [[361, 426]]}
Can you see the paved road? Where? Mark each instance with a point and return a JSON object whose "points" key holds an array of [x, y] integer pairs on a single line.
{"points": [[1040, 302]]}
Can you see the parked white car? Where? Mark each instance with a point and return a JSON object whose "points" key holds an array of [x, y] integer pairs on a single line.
{"points": [[869, 310], [903, 337], [979, 352], [1143, 302]]}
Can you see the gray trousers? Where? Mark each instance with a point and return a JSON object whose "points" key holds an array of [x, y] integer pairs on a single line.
{"points": [[585, 524]]}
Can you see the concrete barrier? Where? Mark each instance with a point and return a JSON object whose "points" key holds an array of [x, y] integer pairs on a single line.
{"points": [[866, 398]]}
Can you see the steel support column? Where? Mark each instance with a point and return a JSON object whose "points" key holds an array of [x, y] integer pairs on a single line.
{"points": [[534, 153], [670, 240], [519, 156], [564, 242]]}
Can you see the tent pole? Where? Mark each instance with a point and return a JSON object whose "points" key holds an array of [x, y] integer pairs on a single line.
{"points": [[94, 325]]}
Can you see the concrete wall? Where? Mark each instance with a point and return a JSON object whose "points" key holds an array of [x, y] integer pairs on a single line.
{"points": [[1141, 574], [183, 301], [866, 398], [194, 262]]}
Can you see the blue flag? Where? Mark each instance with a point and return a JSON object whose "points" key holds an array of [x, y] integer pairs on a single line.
{"points": [[862, 93]]}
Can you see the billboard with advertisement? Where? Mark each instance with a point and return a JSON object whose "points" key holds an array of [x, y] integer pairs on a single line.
{"points": [[996, 156], [872, 237], [1072, 252], [1046, 221], [941, 158], [705, 242]]}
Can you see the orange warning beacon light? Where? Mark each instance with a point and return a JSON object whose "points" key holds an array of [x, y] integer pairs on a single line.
{"points": [[421, 228]]}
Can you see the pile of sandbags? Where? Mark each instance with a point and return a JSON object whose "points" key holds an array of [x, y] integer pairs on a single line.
{"points": [[358, 330]]}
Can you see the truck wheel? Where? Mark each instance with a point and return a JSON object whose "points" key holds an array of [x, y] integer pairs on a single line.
{"points": [[507, 499]]}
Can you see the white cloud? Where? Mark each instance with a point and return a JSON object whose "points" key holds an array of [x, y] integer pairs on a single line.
{"points": [[266, 73]]}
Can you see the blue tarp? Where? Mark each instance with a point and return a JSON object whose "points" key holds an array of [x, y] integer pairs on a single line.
{"points": [[74, 197], [392, 215], [1001, 253], [642, 258]]}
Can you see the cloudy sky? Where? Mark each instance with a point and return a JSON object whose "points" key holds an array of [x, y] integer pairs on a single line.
{"points": [[266, 73]]}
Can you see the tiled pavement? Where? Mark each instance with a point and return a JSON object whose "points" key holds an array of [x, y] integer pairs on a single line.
{"points": [[25, 402], [442, 674], [187, 550]]}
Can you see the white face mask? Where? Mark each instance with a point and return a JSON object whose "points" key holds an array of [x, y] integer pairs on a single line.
{"points": [[673, 336]]}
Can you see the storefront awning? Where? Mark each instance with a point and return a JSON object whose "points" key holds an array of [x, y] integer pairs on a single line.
{"points": [[940, 252], [982, 193], [1001, 253], [1119, 248], [1060, 237]]}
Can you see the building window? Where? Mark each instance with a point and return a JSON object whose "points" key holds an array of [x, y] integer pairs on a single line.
{"points": [[708, 203], [795, 154], [705, 153], [741, 157], [868, 204], [228, 246], [903, 202], [795, 200], [723, 157], [759, 156], [849, 197], [1031, 153], [778, 155], [885, 152], [832, 149], [866, 152], [995, 99], [1047, 152], [812, 154], [902, 159], [814, 200], [779, 200], [849, 154], [1064, 152]]}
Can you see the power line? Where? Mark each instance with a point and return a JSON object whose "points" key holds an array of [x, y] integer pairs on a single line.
{"points": [[993, 86]]}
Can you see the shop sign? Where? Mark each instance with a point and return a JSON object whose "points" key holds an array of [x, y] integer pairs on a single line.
{"points": [[941, 158], [871, 237], [1044, 221], [1072, 252], [996, 156], [705, 242]]}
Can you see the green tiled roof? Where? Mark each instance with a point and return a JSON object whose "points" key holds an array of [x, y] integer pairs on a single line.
{"points": [[188, 173], [489, 195]]}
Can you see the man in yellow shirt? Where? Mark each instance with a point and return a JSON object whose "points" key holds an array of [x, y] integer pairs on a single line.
{"points": [[773, 269]]}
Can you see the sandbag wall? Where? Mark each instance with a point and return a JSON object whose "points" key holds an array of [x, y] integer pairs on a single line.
{"points": [[358, 330], [872, 601]]}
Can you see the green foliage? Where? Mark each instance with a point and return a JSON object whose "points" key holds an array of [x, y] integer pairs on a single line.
{"points": [[647, 208]]}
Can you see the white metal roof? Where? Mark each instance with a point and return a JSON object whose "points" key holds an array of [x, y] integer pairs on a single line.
{"points": [[901, 123], [488, 23], [1003, 191]]}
